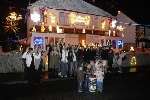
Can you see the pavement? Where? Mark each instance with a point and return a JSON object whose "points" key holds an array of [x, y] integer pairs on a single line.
{"points": [[127, 86], [124, 86]]}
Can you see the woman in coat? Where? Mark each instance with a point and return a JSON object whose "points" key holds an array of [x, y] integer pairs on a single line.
{"points": [[54, 61]]}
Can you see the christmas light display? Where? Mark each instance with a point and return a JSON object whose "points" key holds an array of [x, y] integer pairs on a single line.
{"points": [[42, 27], [133, 61]]}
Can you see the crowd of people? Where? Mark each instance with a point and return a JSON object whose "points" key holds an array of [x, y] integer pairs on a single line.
{"points": [[64, 61]]}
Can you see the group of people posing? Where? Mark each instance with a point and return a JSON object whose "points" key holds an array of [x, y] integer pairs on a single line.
{"points": [[63, 61]]}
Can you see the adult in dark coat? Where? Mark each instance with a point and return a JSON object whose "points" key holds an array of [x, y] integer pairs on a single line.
{"points": [[110, 59]]}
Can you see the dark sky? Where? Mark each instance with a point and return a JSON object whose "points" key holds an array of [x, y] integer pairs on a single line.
{"points": [[137, 10]]}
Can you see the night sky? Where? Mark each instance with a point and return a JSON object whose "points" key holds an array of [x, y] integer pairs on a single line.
{"points": [[138, 10]]}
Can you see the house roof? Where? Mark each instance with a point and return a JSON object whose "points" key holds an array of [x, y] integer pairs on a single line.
{"points": [[73, 5], [125, 19]]}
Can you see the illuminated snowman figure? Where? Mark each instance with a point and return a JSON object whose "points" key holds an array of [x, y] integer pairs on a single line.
{"points": [[92, 85]]}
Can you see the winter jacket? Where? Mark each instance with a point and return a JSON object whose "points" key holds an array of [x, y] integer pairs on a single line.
{"points": [[28, 58], [64, 56]]}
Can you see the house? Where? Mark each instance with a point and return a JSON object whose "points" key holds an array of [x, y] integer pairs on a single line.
{"points": [[71, 21]]}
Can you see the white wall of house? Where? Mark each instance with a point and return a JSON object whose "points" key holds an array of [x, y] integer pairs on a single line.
{"points": [[130, 30]]}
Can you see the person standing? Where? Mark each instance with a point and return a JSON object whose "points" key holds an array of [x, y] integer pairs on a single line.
{"points": [[54, 62], [29, 63], [45, 64], [110, 60], [37, 59], [120, 60], [64, 62], [99, 76], [80, 78], [88, 74], [70, 61], [37, 62], [75, 64], [79, 55]]}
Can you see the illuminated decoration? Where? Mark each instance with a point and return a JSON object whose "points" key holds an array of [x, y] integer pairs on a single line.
{"points": [[35, 17], [33, 29], [46, 62], [133, 61], [20, 48], [99, 45], [45, 16], [119, 12], [50, 28], [83, 43], [77, 19], [38, 41], [109, 32], [131, 48], [13, 16], [42, 27], [122, 35], [103, 25], [83, 31], [120, 43], [92, 44], [107, 42], [12, 22], [59, 30], [92, 85], [45, 12], [113, 24], [53, 18], [120, 28], [114, 33], [93, 27]]}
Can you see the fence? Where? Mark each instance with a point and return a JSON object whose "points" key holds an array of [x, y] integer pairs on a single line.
{"points": [[11, 62]]}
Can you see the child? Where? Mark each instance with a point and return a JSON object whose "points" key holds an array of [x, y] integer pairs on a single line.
{"points": [[88, 74], [99, 76], [80, 78]]}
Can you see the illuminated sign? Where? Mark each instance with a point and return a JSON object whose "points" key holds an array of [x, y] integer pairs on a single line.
{"points": [[77, 19], [120, 43], [38, 41]]}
